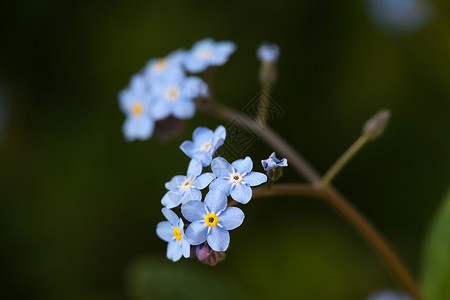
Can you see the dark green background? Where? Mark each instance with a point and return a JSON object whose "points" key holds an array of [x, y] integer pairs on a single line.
{"points": [[79, 205]]}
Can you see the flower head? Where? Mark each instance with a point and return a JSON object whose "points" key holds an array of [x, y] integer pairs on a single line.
{"points": [[211, 220], [236, 179], [169, 66], [389, 295], [273, 162], [207, 53], [268, 53], [172, 231], [174, 95], [136, 102], [204, 144], [183, 189]]}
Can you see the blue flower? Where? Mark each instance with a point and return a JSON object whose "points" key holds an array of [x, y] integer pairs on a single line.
{"points": [[273, 162], [171, 65], [207, 53], [183, 189], [389, 295], [268, 53], [211, 220], [236, 179], [174, 94], [205, 143], [173, 233], [135, 102]]}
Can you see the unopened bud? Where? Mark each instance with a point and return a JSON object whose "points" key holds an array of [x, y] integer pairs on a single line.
{"points": [[202, 252], [375, 126], [215, 257]]}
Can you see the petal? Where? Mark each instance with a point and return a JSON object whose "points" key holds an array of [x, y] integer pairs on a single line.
{"points": [[218, 239], [196, 232], [221, 184], [205, 157], [186, 248], [165, 231], [231, 218], [184, 109], [195, 168], [174, 250], [202, 135], [194, 87], [255, 178], [203, 180], [191, 195], [188, 148], [242, 193], [223, 51], [175, 182], [193, 211], [283, 163], [220, 167], [171, 199], [243, 166], [216, 201], [170, 216], [138, 128], [161, 110], [219, 136]]}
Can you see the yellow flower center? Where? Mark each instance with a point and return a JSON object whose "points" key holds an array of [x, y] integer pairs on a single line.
{"points": [[137, 109], [177, 233], [172, 93], [160, 65], [206, 146], [204, 54], [236, 178], [211, 220]]}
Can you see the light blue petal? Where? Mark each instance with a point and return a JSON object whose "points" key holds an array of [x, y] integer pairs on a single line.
{"points": [[195, 168], [202, 135], [161, 109], [221, 184], [255, 178], [191, 195], [283, 163], [186, 248], [174, 251], [193, 211], [216, 201], [170, 216], [218, 239], [188, 148], [231, 218], [205, 157], [203, 180], [175, 182], [220, 167], [165, 231], [194, 87], [171, 199], [138, 128], [243, 165], [242, 193], [219, 136], [194, 65], [222, 52], [184, 109], [196, 232]]}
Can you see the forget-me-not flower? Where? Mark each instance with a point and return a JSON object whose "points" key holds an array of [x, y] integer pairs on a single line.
{"points": [[183, 189], [136, 103], [211, 220], [389, 295], [236, 179], [204, 144], [172, 231], [273, 162], [268, 53], [171, 65], [207, 53], [174, 94]]}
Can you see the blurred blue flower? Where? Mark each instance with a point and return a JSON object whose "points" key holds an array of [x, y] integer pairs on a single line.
{"points": [[400, 16], [236, 179], [207, 53], [136, 103], [171, 65], [273, 162], [204, 144], [174, 94], [211, 220], [183, 189], [389, 295], [173, 233], [268, 53]]}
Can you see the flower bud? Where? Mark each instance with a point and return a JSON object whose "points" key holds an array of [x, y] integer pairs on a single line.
{"points": [[375, 126], [202, 252]]}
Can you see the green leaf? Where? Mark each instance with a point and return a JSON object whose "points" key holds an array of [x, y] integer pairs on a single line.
{"points": [[436, 267]]}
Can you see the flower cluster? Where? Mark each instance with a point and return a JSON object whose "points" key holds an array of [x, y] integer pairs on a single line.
{"points": [[163, 89], [210, 220]]}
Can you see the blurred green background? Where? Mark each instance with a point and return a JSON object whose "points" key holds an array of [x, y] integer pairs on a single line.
{"points": [[79, 205]]}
